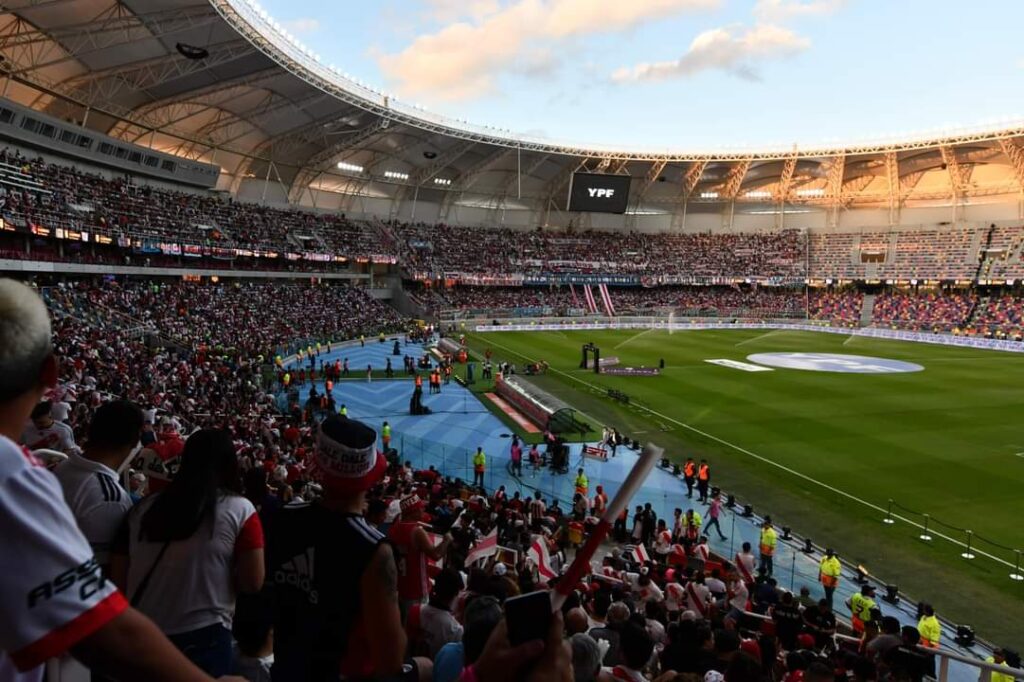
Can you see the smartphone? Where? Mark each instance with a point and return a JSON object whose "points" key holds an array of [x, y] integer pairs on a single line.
{"points": [[528, 617]]}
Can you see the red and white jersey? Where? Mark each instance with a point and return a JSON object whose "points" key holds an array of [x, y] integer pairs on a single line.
{"points": [[675, 595], [52, 594], [745, 564], [537, 509], [97, 500], [663, 545], [193, 585], [702, 551], [697, 597], [57, 436]]}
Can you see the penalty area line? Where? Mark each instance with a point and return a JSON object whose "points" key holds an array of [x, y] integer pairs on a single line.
{"points": [[633, 338], [771, 462]]}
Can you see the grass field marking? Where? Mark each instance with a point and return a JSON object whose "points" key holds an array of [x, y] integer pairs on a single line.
{"points": [[761, 336], [773, 463], [632, 338], [849, 338]]}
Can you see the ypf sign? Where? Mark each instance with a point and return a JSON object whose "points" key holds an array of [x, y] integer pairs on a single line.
{"points": [[597, 193]]}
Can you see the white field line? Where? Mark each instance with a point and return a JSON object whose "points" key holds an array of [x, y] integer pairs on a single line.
{"points": [[761, 336], [632, 338], [849, 338], [773, 463]]}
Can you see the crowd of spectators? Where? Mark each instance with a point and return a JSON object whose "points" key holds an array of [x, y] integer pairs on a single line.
{"points": [[938, 311], [255, 546], [451, 250], [842, 306], [999, 315], [709, 301], [66, 197], [206, 365]]}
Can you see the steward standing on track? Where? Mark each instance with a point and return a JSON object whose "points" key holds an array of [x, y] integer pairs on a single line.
{"points": [[385, 436], [766, 545], [582, 483], [689, 475], [703, 479], [479, 464], [861, 605], [828, 573]]}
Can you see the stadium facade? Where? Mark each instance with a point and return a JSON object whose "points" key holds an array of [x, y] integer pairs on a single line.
{"points": [[219, 83]]}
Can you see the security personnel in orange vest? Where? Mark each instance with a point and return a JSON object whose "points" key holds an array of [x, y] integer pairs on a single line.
{"points": [[419, 382], [769, 538], [703, 479], [600, 502], [828, 573], [689, 475]]}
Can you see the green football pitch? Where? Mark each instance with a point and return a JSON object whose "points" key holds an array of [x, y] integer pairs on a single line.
{"points": [[823, 452]]}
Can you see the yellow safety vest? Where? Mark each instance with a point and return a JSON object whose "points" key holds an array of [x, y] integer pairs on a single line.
{"points": [[860, 607], [768, 541], [930, 629], [696, 519], [386, 431], [582, 482], [479, 459], [829, 569], [999, 677]]}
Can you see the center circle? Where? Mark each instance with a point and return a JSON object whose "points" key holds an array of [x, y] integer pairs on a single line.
{"points": [[834, 362]]}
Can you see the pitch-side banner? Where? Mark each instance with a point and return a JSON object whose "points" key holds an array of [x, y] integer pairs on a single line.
{"points": [[893, 334]]}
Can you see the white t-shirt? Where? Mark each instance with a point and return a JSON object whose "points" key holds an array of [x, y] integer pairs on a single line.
{"points": [[439, 627], [97, 500], [60, 410], [193, 585], [52, 594], [57, 436]]}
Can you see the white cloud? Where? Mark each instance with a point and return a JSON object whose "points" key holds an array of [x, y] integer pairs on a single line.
{"points": [[302, 25], [452, 10], [737, 51], [778, 11], [461, 60]]}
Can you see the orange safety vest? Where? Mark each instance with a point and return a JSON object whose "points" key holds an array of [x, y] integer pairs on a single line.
{"points": [[703, 473], [330, 384], [688, 469], [419, 381]]}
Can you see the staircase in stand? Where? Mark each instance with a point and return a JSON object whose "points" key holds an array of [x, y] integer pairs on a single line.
{"points": [[866, 309]]}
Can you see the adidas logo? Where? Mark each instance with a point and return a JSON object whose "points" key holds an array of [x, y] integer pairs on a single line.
{"points": [[298, 573]]}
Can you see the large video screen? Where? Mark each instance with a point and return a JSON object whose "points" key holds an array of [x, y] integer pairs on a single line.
{"points": [[598, 193]]}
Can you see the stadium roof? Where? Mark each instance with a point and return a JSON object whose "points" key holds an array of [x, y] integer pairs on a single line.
{"points": [[219, 81]]}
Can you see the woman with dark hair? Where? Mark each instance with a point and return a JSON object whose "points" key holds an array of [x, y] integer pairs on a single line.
{"points": [[189, 550]]}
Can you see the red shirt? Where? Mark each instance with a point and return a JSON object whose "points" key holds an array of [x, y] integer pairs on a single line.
{"points": [[412, 563]]}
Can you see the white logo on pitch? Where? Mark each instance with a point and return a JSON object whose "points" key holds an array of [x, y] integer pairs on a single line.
{"points": [[834, 362], [601, 193]]}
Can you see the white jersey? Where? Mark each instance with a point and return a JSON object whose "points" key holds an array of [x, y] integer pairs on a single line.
{"points": [[57, 436], [97, 500], [53, 593], [193, 585], [60, 410]]}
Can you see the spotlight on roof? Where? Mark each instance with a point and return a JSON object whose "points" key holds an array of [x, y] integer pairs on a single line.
{"points": [[395, 175], [709, 195], [442, 181], [350, 167], [193, 52]]}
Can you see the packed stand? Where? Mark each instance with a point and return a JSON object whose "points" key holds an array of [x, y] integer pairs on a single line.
{"points": [[999, 316], [923, 311], [76, 200], [301, 552], [842, 306], [450, 250]]}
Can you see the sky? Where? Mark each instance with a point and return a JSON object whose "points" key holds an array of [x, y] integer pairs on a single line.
{"points": [[683, 75]]}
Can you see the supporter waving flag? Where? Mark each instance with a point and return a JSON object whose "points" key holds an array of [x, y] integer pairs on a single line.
{"points": [[485, 547]]}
